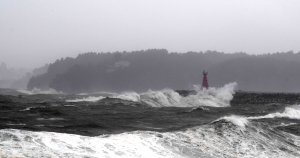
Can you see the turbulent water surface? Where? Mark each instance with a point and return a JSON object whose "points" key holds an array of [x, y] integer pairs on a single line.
{"points": [[152, 124]]}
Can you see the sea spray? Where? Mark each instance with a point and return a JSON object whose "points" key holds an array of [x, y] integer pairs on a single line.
{"points": [[39, 91], [130, 96], [224, 94], [86, 99], [214, 97], [164, 98]]}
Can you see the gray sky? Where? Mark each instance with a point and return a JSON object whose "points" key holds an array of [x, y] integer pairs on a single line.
{"points": [[35, 32]]}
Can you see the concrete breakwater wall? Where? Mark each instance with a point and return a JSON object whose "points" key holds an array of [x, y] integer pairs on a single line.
{"points": [[265, 98], [241, 97]]}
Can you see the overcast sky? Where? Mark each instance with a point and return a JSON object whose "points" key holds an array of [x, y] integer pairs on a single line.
{"points": [[35, 32]]}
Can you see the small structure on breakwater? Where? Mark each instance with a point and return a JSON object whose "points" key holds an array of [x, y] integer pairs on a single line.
{"points": [[204, 80]]}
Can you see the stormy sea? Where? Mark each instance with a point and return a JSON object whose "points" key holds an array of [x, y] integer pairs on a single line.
{"points": [[213, 123]]}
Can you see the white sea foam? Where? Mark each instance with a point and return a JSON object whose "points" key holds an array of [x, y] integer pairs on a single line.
{"points": [[227, 139], [236, 120], [286, 124], [131, 96], [214, 97], [49, 119], [26, 109], [83, 94], [39, 91], [69, 105], [291, 112], [86, 99], [164, 98], [12, 124], [223, 94], [47, 144]]}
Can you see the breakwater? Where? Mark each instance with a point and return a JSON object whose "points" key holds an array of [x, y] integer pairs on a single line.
{"points": [[241, 97], [265, 98]]}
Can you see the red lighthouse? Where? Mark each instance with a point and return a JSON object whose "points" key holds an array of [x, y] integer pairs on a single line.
{"points": [[204, 81]]}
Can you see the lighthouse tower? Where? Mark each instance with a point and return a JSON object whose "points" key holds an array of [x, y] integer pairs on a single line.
{"points": [[204, 81]]}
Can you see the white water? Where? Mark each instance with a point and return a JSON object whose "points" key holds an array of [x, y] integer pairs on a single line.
{"points": [[230, 136], [236, 120], [47, 144], [39, 91], [291, 112], [86, 99], [130, 96], [223, 94], [215, 97]]}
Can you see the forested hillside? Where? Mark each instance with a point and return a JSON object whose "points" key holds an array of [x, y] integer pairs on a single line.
{"points": [[157, 69]]}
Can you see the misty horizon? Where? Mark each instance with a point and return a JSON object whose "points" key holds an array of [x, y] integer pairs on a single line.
{"points": [[28, 69], [34, 33], [149, 78]]}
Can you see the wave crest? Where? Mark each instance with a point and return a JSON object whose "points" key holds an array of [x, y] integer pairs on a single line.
{"points": [[213, 97], [39, 91], [236, 120], [292, 112]]}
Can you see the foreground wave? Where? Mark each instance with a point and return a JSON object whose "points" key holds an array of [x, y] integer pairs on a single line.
{"points": [[151, 124], [229, 136]]}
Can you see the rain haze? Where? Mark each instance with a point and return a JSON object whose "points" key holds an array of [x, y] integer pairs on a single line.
{"points": [[34, 32], [149, 78]]}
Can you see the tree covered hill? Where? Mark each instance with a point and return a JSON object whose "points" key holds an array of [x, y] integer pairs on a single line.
{"points": [[157, 69]]}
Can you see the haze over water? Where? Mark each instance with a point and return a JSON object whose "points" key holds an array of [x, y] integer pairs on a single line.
{"points": [[123, 78], [34, 33]]}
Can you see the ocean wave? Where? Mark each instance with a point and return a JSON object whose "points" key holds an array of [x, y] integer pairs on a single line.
{"points": [[229, 136], [49, 144], [86, 99], [49, 119], [291, 112], [39, 91], [213, 97], [236, 120], [129, 96]]}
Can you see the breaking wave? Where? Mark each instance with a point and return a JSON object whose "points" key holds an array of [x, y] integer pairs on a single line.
{"points": [[39, 91], [229, 136], [130, 96], [291, 112], [215, 97], [224, 94], [86, 99], [236, 120]]}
